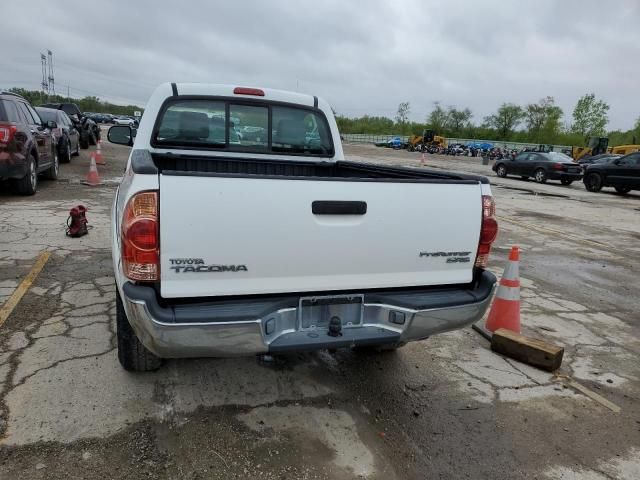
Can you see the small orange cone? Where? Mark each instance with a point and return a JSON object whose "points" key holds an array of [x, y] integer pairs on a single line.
{"points": [[99, 158], [93, 178], [505, 311]]}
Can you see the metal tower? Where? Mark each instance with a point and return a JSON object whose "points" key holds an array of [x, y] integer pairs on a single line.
{"points": [[52, 85], [44, 84]]}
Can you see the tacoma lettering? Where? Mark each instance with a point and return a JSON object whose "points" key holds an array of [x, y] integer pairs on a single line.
{"points": [[208, 268]]}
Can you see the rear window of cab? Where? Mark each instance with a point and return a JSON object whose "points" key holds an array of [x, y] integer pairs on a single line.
{"points": [[243, 127]]}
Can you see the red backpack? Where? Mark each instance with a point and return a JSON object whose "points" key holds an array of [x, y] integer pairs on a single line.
{"points": [[77, 222]]}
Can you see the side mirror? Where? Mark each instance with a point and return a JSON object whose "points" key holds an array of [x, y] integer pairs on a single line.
{"points": [[51, 124], [121, 135]]}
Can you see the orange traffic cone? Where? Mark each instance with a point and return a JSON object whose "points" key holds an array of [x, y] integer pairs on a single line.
{"points": [[99, 158], [93, 178], [505, 311]]}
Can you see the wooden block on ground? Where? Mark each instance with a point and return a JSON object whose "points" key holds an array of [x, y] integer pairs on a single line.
{"points": [[531, 351]]}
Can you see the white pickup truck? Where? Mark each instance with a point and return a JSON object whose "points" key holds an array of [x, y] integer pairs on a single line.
{"points": [[268, 241]]}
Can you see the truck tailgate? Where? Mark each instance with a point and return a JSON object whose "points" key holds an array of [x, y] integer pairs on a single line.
{"points": [[242, 236]]}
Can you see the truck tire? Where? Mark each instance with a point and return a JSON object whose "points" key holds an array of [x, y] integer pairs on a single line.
{"points": [[623, 190], [133, 356], [28, 184], [566, 181]]}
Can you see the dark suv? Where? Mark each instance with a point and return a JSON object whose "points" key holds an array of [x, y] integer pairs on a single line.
{"points": [[27, 145], [89, 130], [621, 173]]}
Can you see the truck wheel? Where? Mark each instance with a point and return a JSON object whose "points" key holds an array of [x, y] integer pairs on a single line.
{"points": [[133, 356], [566, 181], [593, 182], [540, 175], [623, 190], [28, 184]]}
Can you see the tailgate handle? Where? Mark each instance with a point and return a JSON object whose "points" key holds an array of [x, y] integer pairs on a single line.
{"points": [[338, 207]]}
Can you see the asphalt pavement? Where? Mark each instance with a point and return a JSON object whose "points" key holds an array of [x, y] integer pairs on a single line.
{"points": [[443, 408]]}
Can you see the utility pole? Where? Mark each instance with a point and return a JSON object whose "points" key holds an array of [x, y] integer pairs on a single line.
{"points": [[44, 84], [52, 85]]}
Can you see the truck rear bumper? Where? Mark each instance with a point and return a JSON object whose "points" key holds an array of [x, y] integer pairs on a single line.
{"points": [[251, 326]]}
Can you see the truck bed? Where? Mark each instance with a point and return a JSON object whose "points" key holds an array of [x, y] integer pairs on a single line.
{"points": [[233, 226], [198, 165]]}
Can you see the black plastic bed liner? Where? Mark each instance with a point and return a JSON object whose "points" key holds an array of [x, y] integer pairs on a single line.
{"points": [[196, 165]]}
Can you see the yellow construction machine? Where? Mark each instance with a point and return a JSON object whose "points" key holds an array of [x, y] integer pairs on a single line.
{"points": [[598, 145], [595, 146], [428, 138], [624, 149]]}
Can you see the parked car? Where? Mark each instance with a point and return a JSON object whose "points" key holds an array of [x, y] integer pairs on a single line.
{"points": [[396, 143], [622, 173], [66, 134], [541, 166], [27, 144], [98, 117], [602, 158], [214, 288], [122, 120], [89, 130]]}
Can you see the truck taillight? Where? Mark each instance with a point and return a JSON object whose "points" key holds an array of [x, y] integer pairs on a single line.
{"points": [[488, 230], [7, 132], [140, 235]]}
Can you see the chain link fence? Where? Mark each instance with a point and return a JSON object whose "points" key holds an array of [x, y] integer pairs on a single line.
{"points": [[367, 138]]}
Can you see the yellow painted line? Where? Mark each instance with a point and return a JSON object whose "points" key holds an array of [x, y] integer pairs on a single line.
{"points": [[23, 288], [573, 238]]}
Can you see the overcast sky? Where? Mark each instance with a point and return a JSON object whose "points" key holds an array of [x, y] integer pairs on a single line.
{"points": [[362, 56]]}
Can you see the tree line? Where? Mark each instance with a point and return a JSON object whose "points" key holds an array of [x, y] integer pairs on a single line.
{"points": [[539, 123], [86, 104]]}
